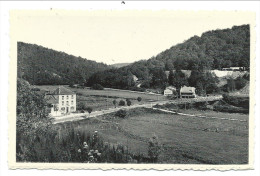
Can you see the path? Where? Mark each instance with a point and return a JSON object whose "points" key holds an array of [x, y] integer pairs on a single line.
{"points": [[81, 116]]}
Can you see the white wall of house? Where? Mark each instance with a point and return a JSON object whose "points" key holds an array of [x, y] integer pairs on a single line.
{"points": [[67, 103], [167, 92]]}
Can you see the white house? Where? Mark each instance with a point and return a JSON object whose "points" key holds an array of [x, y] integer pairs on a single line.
{"points": [[61, 102], [169, 91], [188, 92]]}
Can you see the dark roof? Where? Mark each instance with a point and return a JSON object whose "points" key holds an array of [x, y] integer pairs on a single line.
{"points": [[63, 91], [51, 99]]}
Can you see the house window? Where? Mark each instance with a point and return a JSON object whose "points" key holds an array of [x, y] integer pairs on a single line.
{"points": [[62, 97], [67, 102], [72, 102], [62, 108], [72, 96], [67, 97], [62, 103], [72, 108]]}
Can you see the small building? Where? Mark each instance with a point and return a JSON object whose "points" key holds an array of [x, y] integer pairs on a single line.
{"points": [[61, 102], [188, 92], [169, 91]]}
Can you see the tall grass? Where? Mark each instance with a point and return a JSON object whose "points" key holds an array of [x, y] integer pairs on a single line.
{"points": [[72, 145]]}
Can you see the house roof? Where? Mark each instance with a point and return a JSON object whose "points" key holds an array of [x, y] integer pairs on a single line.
{"points": [[63, 91], [170, 88], [51, 99], [186, 89]]}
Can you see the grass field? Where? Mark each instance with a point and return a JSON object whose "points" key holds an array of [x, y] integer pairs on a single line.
{"points": [[103, 99], [183, 139]]}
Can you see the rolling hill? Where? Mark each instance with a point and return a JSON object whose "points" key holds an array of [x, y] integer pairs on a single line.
{"points": [[42, 66]]}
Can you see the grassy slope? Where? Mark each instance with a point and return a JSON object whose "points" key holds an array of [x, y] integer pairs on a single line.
{"points": [[184, 139]]}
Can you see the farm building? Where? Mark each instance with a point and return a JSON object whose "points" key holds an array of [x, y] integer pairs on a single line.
{"points": [[188, 92], [169, 91], [61, 102]]}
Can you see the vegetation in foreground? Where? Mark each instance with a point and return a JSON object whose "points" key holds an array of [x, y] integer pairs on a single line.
{"points": [[127, 138], [38, 140], [181, 139]]}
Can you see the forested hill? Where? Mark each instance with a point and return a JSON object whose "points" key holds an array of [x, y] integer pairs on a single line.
{"points": [[40, 65], [213, 50]]}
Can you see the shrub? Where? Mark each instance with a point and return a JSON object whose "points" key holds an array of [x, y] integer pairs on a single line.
{"points": [[89, 109], [121, 103], [128, 102], [139, 99], [230, 109], [80, 94], [114, 102], [81, 106], [97, 87], [121, 113], [240, 82], [201, 105], [140, 89], [35, 89], [236, 101], [71, 85], [154, 149]]}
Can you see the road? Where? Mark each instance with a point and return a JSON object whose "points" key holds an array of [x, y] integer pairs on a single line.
{"points": [[81, 116]]}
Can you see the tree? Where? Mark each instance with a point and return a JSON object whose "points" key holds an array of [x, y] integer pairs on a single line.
{"points": [[204, 81], [231, 85], [32, 120], [177, 79], [89, 109], [81, 106], [128, 102], [121, 113], [240, 82], [97, 87], [121, 103], [159, 78], [139, 99], [114, 102]]}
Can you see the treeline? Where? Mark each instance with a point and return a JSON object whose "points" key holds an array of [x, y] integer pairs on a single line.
{"points": [[213, 50], [42, 66]]}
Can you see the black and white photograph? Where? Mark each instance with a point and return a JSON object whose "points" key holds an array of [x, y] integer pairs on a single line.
{"points": [[150, 88]]}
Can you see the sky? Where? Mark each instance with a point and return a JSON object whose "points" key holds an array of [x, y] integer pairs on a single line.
{"points": [[117, 36]]}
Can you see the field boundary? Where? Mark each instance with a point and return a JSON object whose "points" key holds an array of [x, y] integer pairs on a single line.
{"points": [[200, 116]]}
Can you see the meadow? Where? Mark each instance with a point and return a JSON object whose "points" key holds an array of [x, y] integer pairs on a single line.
{"points": [[183, 139], [103, 99]]}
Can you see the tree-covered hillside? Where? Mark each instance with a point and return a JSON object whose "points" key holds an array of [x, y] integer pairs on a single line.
{"points": [[39, 65], [213, 50]]}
